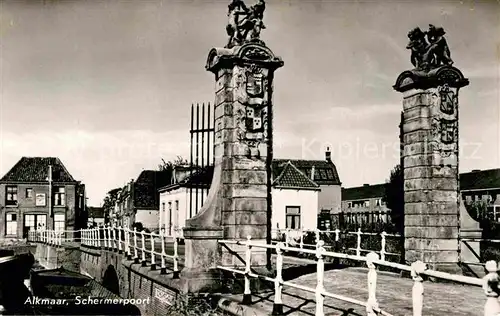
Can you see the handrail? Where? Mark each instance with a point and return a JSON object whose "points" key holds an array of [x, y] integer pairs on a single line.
{"points": [[383, 252], [417, 270], [118, 239]]}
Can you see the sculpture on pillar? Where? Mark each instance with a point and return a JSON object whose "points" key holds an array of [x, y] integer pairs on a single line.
{"points": [[245, 24], [429, 49]]}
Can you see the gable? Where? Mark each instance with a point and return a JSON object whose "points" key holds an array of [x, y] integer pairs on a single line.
{"points": [[325, 172], [36, 169]]}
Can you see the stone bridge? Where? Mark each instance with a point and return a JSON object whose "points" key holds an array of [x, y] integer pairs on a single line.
{"points": [[156, 290]]}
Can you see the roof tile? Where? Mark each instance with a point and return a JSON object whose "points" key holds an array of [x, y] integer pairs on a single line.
{"points": [[291, 177], [36, 169]]}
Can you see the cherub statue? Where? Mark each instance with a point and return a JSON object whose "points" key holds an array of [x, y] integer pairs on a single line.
{"points": [[428, 49], [418, 45], [438, 51], [244, 24], [237, 8]]}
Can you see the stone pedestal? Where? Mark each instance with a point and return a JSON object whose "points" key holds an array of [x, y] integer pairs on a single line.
{"points": [[239, 201], [430, 165]]}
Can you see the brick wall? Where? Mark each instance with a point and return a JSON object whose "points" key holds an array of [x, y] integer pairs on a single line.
{"points": [[28, 206]]}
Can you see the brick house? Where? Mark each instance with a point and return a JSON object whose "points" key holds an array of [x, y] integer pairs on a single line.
{"points": [[95, 216], [39, 192], [300, 188], [138, 201], [475, 186]]}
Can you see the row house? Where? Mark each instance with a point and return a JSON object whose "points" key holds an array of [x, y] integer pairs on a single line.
{"points": [[475, 186], [40, 193], [301, 190], [138, 201]]}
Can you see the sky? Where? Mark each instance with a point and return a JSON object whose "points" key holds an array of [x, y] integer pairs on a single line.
{"points": [[106, 86]]}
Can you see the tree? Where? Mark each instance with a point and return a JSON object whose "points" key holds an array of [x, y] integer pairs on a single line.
{"points": [[109, 203], [394, 197], [169, 165]]}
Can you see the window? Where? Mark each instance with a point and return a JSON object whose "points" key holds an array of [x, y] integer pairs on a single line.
{"points": [[11, 224], [379, 202], [59, 222], [292, 217], [59, 196], [349, 204], [11, 195], [367, 203], [32, 222], [29, 193]]}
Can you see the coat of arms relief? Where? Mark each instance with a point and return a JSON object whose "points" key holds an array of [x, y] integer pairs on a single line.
{"points": [[445, 125], [251, 107]]}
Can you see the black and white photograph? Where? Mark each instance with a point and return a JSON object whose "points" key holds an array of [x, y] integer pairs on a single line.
{"points": [[250, 157]]}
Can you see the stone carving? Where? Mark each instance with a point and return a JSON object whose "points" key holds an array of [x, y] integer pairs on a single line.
{"points": [[244, 24], [448, 100], [251, 112], [429, 49]]}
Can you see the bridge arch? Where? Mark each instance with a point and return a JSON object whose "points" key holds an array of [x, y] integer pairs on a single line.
{"points": [[110, 280]]}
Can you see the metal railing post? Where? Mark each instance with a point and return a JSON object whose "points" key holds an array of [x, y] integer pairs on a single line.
{"points": [[320, 271], [126, 233], [358, 243], [136, 256], [247, 294], [143, 249], [163, 268], [383, 245], [491, 289], [120, 234], [176, 255], [372, 303], [417, 268], [153, 264], [278, 281], [302, 238], [113, 237]]}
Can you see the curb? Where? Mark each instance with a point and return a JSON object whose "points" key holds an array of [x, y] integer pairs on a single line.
{"points": [[237, 309]]}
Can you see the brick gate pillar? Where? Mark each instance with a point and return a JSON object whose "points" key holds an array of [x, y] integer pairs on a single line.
{"points": [[239, 201], [430, 165]]}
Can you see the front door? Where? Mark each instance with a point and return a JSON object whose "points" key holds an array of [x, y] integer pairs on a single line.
{"points": [[34, 222]]}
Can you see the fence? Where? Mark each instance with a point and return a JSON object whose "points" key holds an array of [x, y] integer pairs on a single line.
{"points": [[138, 246], [297, 237], [417, 269], [376, 221]]}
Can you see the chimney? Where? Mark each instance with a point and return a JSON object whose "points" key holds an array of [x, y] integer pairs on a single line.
{"points": [[312, 173], [366, 185], [328, 154], [476, 170]]}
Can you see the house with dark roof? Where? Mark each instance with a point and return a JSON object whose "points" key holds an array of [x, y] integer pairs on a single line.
{"points": [[477, 185], [301, 188], [138, 201], [181, 199], [40, 193], [95, 216]]}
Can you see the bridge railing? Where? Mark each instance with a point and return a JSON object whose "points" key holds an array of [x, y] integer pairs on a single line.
{"points": [[295, 237], [418, 270], [140, 246]]}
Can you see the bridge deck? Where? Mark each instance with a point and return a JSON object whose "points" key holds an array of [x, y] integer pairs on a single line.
{"points": [[393, 295]]}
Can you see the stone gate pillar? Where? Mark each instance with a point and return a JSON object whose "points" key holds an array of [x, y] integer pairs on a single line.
{"points": [[239, 201], [430, 151]]}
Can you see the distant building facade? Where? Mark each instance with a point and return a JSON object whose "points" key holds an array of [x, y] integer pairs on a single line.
{"points": [[40, 193], [301, 189], [95, 216], [475, 186], [138, 201]]}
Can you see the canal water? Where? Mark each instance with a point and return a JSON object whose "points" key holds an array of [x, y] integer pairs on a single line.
{"points": [[26, 288]]}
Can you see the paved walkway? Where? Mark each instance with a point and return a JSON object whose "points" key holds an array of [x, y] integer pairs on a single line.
{"points": [[393, 294]]}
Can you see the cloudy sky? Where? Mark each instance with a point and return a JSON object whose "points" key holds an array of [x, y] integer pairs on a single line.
{"points": [[106, 85]]}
